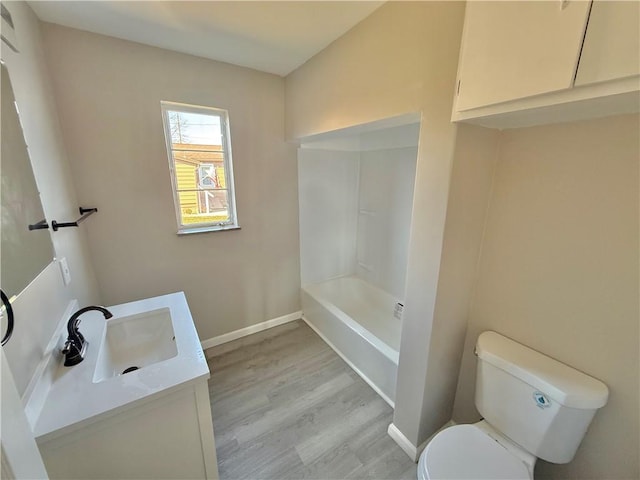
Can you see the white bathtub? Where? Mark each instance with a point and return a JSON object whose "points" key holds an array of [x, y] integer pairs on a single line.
{"points": [[356, 320]]}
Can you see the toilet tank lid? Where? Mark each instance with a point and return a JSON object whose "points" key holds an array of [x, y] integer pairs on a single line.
{"points": [[562, 383]]}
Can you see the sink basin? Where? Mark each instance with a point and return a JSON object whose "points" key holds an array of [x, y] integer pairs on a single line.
{"points": [[134, 342]]}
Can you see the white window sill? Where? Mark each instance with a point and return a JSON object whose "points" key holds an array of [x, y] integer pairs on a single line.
{"points": [[211, 228]]}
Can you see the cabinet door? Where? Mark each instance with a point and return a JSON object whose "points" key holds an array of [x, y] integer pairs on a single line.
{"points": [[612, 44], [517, 49]]}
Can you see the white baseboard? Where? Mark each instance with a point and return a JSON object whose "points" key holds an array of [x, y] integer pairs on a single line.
{"points": [[348, 362], [403, 442], [243, 332], [408, 447]]}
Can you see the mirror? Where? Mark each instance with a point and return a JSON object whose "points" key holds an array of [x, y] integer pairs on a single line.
{"points": [[24, 253]]}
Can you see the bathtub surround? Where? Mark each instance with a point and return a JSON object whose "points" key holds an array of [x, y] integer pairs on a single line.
{"points": [[328, 209], [355, 192], [559, 273], [387, 177], [232, 279]]}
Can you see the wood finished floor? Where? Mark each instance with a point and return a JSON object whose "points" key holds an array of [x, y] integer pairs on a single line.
{"points": [[285, 406]]}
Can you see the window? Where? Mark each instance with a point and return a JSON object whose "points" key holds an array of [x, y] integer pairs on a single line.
{"points": [[199, 150]]}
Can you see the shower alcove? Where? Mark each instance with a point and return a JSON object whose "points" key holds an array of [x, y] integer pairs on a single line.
{"points": [[355, 203]]}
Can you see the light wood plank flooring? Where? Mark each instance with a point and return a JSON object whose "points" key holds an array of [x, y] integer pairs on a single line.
{"points": [[285, 406]]}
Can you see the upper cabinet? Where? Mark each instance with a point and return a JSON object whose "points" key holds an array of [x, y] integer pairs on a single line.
{"points": [[518, 49], [533, 62], [612, 43]]}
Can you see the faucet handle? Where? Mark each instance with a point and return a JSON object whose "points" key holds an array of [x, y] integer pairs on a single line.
{"points": [[74, 351], [66, 349], [71, 347]]}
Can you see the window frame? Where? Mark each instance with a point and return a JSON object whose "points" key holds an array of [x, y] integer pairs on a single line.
{"points": [[232, 223]]}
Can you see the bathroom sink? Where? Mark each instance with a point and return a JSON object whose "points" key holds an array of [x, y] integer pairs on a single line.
{"points": [[134, 342]]}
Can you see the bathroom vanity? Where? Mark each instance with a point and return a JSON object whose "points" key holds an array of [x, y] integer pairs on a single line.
{"points": [[154, 421]]}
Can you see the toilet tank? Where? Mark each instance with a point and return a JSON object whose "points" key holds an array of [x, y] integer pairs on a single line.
{"points": [[541, 404]]}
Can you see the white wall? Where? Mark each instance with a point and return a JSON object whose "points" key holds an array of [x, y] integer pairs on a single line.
{"points": [[328, 198], [385, 199], [109, 94], [559, 272], [40, 306]]}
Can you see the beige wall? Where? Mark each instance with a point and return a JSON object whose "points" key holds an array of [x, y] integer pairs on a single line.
{"points": [[403, 59], [376, 70], [559, 273], [42, 304], [109, 94], [474, 163]]}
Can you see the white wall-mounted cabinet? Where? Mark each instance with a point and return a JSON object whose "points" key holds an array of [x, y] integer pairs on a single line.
{"points": [[529, 63], [515, 50], [612, 43]]}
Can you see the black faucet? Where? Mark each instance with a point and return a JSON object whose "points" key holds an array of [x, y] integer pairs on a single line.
{"points": [[76, 346]]}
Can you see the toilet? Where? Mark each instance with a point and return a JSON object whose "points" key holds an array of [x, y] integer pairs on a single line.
{"points": [[532, 406]]}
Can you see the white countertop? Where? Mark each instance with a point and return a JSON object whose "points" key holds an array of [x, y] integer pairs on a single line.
{"points": [[73, 400]]}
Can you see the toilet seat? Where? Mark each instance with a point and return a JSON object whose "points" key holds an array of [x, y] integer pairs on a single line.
{"points": [[467, 452]]}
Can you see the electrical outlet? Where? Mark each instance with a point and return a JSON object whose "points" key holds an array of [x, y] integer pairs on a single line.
{"points": [[64, 269]]}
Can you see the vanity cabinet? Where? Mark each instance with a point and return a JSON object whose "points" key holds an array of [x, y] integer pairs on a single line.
{"points": [[528, 63], [169, 436]]}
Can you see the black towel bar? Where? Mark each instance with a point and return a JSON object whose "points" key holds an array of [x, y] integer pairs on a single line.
{"points": [[84, 213]]}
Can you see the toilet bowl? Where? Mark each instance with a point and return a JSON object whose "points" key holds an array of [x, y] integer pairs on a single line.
{"points": [[474, 452]]}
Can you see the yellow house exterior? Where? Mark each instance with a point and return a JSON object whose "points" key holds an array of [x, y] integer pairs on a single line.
{"points": [[198, 202]]}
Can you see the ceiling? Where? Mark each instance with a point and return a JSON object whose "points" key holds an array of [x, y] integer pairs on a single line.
{"points": [[272, 36]]}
